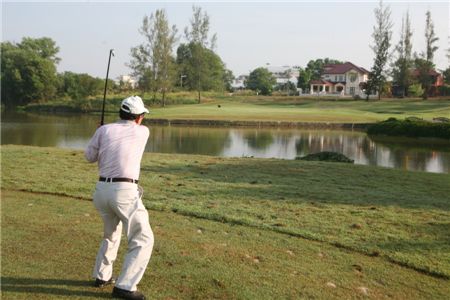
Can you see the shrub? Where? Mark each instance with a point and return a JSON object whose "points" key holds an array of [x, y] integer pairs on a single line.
{"points": [[415, 90], [444, 90], [326, 156], [410, 128]]}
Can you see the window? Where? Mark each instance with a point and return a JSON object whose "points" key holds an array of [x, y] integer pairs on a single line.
{"points": [[352, 90], [335, 78], [352, 77], [341, 78]]}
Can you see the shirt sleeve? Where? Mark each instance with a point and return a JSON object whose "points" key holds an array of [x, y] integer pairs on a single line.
{"points": [[146, 133], [91, 152]]}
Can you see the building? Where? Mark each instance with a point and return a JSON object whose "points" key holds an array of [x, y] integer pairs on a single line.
{"points": [[284, 74], [128, 80], [340, 79], [239, 82]]}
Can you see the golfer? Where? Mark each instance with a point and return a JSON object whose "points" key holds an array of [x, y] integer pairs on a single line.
{"points": [[118, 149]]}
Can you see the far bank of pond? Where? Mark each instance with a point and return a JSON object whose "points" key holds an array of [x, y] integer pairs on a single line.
{"points": [[75, 130]]}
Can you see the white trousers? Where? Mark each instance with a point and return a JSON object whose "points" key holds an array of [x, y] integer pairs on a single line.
{"points": [[120, 203]]}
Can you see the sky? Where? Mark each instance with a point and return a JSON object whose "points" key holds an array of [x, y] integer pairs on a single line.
{"points": [[250, 34]]}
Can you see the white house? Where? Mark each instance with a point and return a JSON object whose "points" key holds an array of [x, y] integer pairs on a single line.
{"points": [[284, 74], [239, 82], [341, 79], [127, 79]]}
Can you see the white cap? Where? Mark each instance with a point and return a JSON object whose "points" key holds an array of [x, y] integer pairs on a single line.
{"points": [[133, 105]]}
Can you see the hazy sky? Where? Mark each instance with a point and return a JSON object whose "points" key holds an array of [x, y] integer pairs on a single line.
{"points": [[250, 34]]}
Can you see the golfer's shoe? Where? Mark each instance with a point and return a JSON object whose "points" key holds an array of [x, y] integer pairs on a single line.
{"points": [[102, 283], [124, 294]]}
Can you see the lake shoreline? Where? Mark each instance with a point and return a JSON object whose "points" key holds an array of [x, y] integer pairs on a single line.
{"points": [[234, 138], [255, 123]]}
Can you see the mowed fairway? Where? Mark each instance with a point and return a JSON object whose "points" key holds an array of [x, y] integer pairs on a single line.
{"points": [[294, 109], [49, 244], [231, 228]]}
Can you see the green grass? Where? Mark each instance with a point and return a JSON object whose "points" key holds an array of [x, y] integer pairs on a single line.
{"points": [[295, 110], [273, 109], [401, 217], [49, 245]]}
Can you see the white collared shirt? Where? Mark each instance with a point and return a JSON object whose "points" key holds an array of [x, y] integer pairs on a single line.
{"points": [[118, 148]]}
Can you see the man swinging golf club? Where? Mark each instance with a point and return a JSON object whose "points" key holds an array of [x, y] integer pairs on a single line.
{"points": [[118, 149]]}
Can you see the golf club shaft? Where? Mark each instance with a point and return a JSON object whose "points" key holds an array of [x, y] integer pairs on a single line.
{"points": [[104, 93]]}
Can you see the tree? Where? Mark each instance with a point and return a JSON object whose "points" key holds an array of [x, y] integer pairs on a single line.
{"points": [[79, 86], [28, 72], [197, 36], [424, 68], [44, 47], [446, 75], [424, 64], [313, 71], [382, 41], [305, 76], [152, 62], [228, 78], [430, 38], [213, 75], [288, 87], [261, 80], [315, 67], [401, 71], [199, 30]]}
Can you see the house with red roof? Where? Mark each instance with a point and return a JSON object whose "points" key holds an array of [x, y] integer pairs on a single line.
{"points": [[340, 79]]}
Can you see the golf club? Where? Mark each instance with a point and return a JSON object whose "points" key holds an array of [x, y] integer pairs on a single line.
{"points": [[111, 52]]}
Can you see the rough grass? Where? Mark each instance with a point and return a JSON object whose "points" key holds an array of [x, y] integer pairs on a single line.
{"points": [[49, 245], [402, 217]]}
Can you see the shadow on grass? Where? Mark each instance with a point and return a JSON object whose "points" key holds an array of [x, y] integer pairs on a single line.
{"points": [[307, 181], [54, 287]]}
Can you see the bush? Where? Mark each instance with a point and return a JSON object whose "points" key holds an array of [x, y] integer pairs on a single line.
{"points": [[410, 128], [415, 90], [444, 90], [326, 156]]}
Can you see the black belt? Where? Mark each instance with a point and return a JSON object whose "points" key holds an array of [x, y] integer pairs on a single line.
{"points": [[118, 179]]}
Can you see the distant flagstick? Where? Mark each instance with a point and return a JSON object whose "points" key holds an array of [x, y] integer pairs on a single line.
{"points": [[111, 52]]}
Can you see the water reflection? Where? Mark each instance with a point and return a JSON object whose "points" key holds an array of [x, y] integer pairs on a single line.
{"points": [[356, 145], [188, 140], [74, 131]]}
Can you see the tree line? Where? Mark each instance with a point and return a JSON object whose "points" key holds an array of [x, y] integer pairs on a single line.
{"points": [[29, 68], [29, 74], [410, 72]]}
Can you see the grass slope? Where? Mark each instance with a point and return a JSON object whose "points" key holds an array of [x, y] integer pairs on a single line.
{"points": [[401, 216], [49, 245], [273, 109], [295, 110]]}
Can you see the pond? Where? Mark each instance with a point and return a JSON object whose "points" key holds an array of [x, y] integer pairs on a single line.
{"points": [[74, 131]]}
